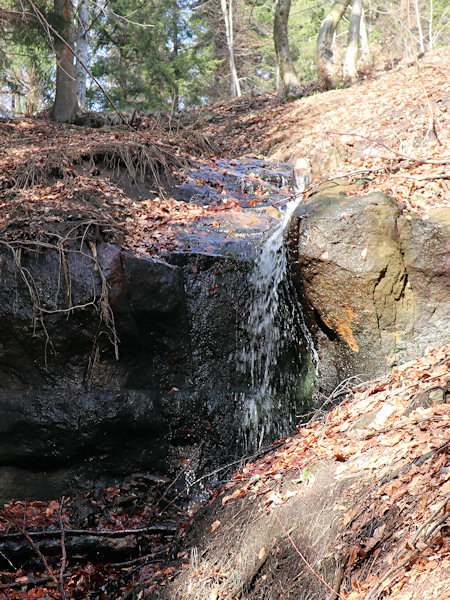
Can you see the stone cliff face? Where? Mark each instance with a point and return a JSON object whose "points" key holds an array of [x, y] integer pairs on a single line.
{"points": [[376, 284], [74, 412]]}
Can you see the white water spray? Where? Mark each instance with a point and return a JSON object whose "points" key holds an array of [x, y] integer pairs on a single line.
{"points": [[272, 323]]}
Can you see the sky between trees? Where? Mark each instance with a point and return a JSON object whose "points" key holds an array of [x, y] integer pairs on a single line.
{"points": [[168, 55]]}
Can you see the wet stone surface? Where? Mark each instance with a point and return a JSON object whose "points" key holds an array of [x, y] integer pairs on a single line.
{"points": [[244, 180], [137, 380]]}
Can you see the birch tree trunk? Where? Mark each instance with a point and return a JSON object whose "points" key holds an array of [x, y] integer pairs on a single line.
{"points": [[351, 54], [65, 105], [324, 55], [430, 27], [227, 11], [82, 51], [364, 41], [289, 80], [419, 26]]}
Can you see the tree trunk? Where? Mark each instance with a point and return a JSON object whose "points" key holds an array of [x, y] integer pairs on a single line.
{"points": [[290, 83], [430, 27], [364, 41], [324, 55], [65, 105], [227, 11], [419, 27], [82, 51], [351, 55], [175, 52]]}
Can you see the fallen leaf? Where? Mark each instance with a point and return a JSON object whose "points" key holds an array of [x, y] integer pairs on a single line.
{"points": [[262, 554], [214, 526]]}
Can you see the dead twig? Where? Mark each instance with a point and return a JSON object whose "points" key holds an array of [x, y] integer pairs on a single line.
{"points": [[63, 550], [424, 177], [147, 558], [13, 522]]}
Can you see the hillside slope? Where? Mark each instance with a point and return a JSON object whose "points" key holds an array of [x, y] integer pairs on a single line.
{"points": [[361, 495], [393, 129], [354, 505], [392, 133]]}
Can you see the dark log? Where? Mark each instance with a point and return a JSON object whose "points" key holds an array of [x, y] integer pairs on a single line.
{"points": [[101, 546]]}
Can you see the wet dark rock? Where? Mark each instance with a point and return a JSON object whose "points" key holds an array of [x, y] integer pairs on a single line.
{"points": [[72, 416], [243, 180], [153, 285], [230, 233]]}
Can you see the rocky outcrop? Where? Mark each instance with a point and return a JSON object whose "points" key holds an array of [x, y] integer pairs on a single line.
{"points": [[375, 284], [116, 364], [112, 363]]}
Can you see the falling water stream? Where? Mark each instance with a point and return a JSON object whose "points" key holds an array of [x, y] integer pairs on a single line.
{"points": [[275, 324]]}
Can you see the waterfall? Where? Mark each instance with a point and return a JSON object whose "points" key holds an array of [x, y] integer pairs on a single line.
{"points": [[274, 323]]}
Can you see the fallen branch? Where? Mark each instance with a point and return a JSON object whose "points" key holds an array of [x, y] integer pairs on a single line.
{"points": [[33, 545], [109, 545], [27, 583], [425, 177], [169, 529]]}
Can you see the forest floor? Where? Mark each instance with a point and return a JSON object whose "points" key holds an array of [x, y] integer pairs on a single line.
{"points": [[393, 130], [354, 505]]}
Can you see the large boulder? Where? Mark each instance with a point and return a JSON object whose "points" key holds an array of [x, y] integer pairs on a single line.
{"points": [[375, 284]]}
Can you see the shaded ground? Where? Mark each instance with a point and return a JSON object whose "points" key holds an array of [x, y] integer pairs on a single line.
{"points": [[100, 545], [357, 500]]}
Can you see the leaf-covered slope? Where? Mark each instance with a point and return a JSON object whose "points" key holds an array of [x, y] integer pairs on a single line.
{"points": [[393, 128], [357, 501], [391, 132]]}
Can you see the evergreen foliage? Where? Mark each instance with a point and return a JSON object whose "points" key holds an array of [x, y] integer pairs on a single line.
{"points": [[171, 54], [152, 55], [26, 67]]}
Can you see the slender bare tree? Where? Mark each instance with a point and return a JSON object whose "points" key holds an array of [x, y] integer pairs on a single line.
{"points": [[290, 83], [420, 40], [227, 12], [324, 54], [351, 54], [364, 41]]}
